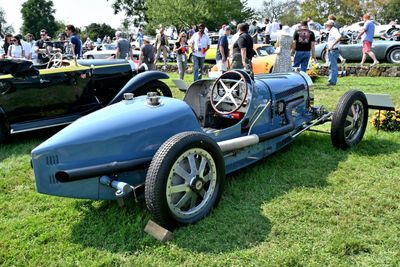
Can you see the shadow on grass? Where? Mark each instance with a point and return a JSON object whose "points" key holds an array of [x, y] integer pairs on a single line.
{"points": [[239, 222]]}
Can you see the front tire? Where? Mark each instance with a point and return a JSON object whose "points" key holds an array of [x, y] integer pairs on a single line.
{"points": [[349, 120], [155, 86], [185, 179]]}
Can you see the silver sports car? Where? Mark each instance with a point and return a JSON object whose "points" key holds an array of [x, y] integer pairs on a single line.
{"points": [[385, 51]]}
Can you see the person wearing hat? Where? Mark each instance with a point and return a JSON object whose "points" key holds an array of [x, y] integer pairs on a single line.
{"points": [[161, 46], [146, 55], [283, 62], [333, 51], [223, 50]]}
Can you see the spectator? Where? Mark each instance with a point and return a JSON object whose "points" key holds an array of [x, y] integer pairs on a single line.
{"points": [[7, 42], [146, 55], [139, 38], [123, 47], [75, 42], [161, 46], [32, 44], [367, 33], [253, 31], [180, 49], [243, 49], [192, 31], [267, 31], [223, 50], [284, 42], [303, 47], [200, 43], [43, 47], [275, 26], [337, 26], [221, 31], [333, 51], [16, 50], [26, 47]]}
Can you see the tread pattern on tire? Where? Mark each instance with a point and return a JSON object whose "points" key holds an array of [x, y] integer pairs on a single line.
{"points": [[340, 114], [156, 166]]}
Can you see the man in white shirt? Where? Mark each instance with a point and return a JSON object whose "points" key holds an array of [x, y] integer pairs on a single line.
{"points": [[333, 51], [200, 43], [32, 44]]}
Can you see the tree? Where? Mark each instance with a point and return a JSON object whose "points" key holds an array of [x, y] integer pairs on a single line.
{"points": [[287, 12], [135, 11], [37, 15], [95, 30], [346, 11], [4, 28], [392, 10], [183, 13]]}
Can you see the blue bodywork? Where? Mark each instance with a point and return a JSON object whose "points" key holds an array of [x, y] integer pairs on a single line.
{"points": [[134, 130]]}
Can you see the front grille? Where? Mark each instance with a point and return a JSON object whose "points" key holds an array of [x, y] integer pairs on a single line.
{"points": [[53, 180], [52, 160]]}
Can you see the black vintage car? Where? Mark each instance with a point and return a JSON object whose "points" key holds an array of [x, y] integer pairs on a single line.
{"points": [[36, 97]]}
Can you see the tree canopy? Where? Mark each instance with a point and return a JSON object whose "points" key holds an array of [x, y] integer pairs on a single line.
{"points": [[95, 30], [392, 10], [183, 13], [37, 15], [4, 28]]}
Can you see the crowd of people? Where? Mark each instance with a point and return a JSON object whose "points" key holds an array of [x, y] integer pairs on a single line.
{"points": [[15, 47], [293, 51]]}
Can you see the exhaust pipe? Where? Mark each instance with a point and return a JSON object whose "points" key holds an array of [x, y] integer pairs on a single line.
{"points": [[245, 141]]}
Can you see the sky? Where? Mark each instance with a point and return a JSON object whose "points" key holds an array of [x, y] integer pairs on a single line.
{"points": [[77, 12]]}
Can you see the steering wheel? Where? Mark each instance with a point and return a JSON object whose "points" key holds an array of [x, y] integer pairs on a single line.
{"points": [[55, 61], [228, 90]]}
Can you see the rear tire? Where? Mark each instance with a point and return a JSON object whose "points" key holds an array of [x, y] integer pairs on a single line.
{"points": [[155, 86], [185, 179], [90, 57], [349, 120], [394, 55]]}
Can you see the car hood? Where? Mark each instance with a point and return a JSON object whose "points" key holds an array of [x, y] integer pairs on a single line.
{"points": [[124, 131]]}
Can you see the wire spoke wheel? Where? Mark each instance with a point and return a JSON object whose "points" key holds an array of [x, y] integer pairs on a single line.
{"points": [[191, 183], [185, 179], [349, 120]]}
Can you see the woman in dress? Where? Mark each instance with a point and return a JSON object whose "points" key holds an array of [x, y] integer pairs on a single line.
{"points": [[284, 42], [16, 50], [180, 49]]}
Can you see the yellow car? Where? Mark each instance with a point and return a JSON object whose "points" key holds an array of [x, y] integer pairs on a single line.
{"points": [[263, 61]]}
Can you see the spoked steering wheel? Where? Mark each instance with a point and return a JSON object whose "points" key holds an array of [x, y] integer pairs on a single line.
{"points": [[55, 61], [229, 92]]}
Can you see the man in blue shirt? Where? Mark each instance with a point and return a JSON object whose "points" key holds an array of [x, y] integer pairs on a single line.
{"points": [[367, 33], [76, 43], [223, 50]]}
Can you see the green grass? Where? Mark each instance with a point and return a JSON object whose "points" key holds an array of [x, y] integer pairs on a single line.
{"points": [[308, 205]]}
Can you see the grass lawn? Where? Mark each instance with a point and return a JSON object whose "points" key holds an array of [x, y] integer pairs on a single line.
{"points": [[306, 205]]}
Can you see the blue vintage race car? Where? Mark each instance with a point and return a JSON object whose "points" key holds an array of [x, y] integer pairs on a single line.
{"points": [[178, 152]]}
